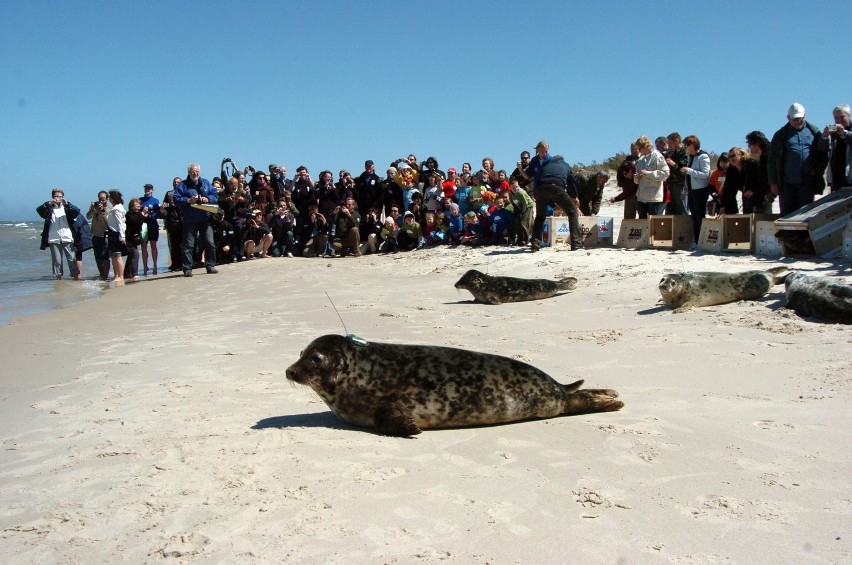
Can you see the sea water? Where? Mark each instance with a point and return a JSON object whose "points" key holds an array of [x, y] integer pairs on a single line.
{"points": [[27, 285]]}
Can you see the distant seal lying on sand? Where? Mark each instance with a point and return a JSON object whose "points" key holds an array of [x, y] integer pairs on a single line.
{"points": [[402, 389], [683, 291], [496, 290], [819, 297]]}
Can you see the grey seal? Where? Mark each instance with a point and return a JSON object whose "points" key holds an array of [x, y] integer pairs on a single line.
{"points": [[402, 389], [683, 291], [819, 297], [497, 290]]}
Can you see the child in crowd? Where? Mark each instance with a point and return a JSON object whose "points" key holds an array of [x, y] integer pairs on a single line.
{"points": [[463, 199], [408, 192], [455, 224], [388, 235], [476, 190], [432, 234], [523, 207], [433, 193], [501, 221], [474, 235], [410, 235], [502, 184]]}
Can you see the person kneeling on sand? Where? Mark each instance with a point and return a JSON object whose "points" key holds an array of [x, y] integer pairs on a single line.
{"points": [[257, 236]]}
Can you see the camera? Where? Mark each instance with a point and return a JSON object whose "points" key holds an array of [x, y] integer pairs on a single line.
{"points": [[831, 128]]}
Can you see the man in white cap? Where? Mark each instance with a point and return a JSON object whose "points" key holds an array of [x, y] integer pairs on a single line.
{"points": [[796, 164]]}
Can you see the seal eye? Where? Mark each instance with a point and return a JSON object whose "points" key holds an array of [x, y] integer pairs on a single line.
{"points": [[316, 359]]}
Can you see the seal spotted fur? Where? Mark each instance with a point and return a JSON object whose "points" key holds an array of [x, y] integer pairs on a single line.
{"points": [[402, 389], [496, 290], [819, 297], [683, 291]]}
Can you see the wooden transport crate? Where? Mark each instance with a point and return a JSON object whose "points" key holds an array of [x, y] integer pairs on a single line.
{"points": [[555, 231], [710, 238], [671, 232], [634, 234], [766, 244], [596, 231]]}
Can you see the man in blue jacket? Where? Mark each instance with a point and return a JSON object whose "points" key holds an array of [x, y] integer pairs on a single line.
{"points": [[554, 185], [196, 190]]}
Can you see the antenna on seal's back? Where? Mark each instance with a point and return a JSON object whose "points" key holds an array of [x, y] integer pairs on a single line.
{"points": [[351, 337]]}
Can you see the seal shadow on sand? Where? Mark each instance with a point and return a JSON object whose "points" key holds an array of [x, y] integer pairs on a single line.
{"points": [[314, 420], [473, 301], [774, 303]]}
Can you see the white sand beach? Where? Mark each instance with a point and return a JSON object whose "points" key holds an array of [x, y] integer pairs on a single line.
{"points": [[155, 424]]}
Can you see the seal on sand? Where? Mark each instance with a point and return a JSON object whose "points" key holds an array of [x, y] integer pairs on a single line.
{"points": [[400, 389], [683, 291], [819, 297], [496, 290]]}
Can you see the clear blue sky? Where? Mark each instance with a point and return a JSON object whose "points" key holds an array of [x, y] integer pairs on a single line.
{"points": [[116, 94]]}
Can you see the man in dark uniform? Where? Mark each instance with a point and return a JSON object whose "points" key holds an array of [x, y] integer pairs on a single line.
{"points": [[554, 185]]}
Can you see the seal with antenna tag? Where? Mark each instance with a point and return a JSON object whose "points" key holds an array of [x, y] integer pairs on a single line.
{"points": [[351, 337]]}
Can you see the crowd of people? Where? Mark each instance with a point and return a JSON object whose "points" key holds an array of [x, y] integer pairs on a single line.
{"points": [[244, 214]]}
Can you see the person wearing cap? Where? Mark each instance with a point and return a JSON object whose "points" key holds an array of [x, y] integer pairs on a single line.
{"points": [[554, 184], [449, 186], [796, 163], [151, 210], [590, 192]]}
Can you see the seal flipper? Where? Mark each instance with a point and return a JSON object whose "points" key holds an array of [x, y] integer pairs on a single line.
{"points": [[573, 387], [592, 400], [391, 419], [779, 274]]}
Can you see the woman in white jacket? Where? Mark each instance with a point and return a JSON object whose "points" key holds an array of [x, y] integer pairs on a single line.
{"points": [[651, 172], [697, 177]]}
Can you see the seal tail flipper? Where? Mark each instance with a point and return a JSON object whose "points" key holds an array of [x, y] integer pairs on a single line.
{"points": [[568, 283], [779, 274], [573, 387], [592, 400]]}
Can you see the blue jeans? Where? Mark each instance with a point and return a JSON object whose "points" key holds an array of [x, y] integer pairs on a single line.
{"points": [[650, 208], [190, 233]]}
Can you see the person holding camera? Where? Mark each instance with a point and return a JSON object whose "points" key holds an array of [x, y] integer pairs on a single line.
{"points": [[97, 215], [257, 236], [196, 190], [838, 142], [347, 221], [58, 216]]}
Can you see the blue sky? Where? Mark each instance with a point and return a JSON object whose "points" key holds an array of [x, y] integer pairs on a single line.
{"points": [[99, 95]]}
